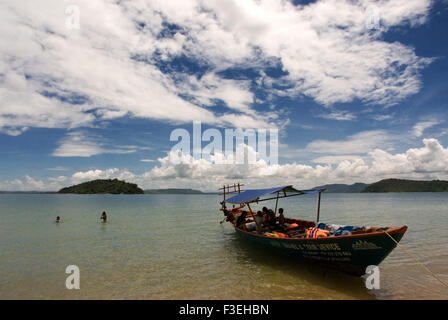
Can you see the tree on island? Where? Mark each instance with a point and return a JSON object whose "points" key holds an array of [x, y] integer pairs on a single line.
{"points": [[110, 186], [400, 185]]}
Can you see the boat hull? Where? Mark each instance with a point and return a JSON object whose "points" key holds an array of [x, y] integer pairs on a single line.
{"points": [[351, 254]]}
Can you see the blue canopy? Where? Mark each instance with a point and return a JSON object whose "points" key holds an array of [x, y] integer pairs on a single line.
{"points": [[254, 194]]}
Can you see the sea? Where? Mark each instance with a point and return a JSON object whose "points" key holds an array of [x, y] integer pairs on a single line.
{"points": [[174, 247]]}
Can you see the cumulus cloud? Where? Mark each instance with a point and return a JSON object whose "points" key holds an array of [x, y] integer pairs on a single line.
{"points": [[427, 162], [121, 60], [30, 184], [431, 160], [56, 183], [335, 159], [83, 176]]}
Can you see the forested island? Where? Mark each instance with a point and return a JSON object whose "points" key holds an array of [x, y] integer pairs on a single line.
{"points": [[343, 188], [110, 186], [399, 185]]}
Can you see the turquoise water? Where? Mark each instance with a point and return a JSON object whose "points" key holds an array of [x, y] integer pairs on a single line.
{"points": [[173, 247]]}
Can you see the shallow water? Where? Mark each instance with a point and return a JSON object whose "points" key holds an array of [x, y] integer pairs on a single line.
{"points": [[173, 247]]}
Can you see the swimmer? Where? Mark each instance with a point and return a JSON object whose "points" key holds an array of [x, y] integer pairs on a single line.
{"points": [[104, 217]]}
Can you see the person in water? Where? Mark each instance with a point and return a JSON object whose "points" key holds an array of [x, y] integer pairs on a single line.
{"points": [[58, 219], [104, 217]]}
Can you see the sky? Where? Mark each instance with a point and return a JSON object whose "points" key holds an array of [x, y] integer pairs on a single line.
{"points": [[94, 90]]}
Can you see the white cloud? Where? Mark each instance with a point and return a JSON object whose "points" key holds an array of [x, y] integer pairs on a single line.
{"points": [[235, 93], [58, 168], [443, 132], [30, 184], [45, 63], [335, 159], [382, 117], [427, 162], [338, 115], [420, 127], [58, 179], [54, 77], [83, 176], [79, 144], [324, 46], [432, 160], [359, 143]]}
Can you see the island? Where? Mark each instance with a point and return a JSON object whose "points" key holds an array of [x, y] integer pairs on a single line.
{"points": [[343, 188], [109, 186], [399, 185]]}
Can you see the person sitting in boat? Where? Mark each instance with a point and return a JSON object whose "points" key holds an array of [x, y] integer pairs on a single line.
{"points": [[265, 216], [272, 221], [241, 221], [229, 215], [259, 221], [281, 217]]}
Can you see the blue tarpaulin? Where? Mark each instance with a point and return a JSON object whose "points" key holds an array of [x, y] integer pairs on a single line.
{"points": [[250, 195]]}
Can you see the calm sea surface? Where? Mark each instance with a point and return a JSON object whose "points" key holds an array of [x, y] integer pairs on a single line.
{"points": [[173, 247]]}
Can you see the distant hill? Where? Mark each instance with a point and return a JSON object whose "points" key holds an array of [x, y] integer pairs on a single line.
{"points": [[173, 191], [344, 188], [114, 186], [398, 185], [28, 192]]}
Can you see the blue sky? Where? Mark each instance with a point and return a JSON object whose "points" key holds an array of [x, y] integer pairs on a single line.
{"points": [[99, 99]]}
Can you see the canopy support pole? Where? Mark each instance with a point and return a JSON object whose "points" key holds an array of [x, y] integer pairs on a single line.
{"points": [[224, 202], [276, 203], [318, 207]]}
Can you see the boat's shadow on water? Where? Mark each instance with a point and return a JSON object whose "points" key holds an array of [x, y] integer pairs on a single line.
{"points": [[304, 272]]}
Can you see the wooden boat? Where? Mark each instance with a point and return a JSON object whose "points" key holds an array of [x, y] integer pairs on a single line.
{"points": [[351, 253]]}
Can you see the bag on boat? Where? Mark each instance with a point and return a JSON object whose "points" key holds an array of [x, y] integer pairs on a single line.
{"points": [[342, 232], [281, 235], [271, 235], [292, 226], [250, 226], [313, 233]]}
